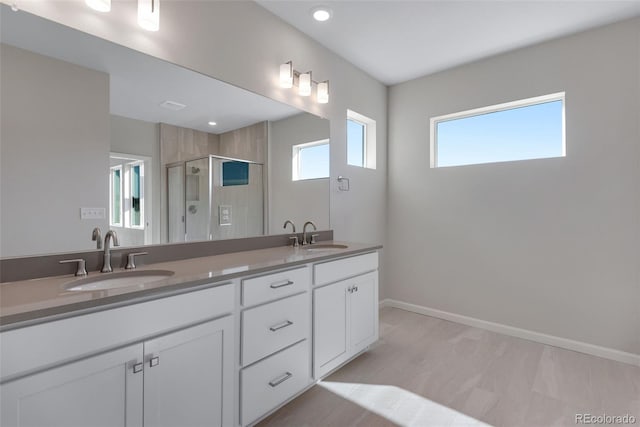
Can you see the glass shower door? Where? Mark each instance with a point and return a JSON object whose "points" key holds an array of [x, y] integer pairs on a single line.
{"points": [[197, 200], [175, 199]]}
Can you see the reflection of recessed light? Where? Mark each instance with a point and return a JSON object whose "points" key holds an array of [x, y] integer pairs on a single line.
{"points": [[321, 13], [212, 123]]}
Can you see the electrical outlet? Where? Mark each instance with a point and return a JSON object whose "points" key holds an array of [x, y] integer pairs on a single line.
{"points": [[92, 213]]}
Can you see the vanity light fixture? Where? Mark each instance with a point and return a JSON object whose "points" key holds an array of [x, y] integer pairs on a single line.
{"points": [[286, 75], [99, 5], [304, 84], [149, 14], [212, 123], [321, 13], [289, 77], [322, 95]]}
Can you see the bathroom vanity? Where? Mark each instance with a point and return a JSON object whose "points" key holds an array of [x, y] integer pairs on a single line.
{"points": [[224, 340]]}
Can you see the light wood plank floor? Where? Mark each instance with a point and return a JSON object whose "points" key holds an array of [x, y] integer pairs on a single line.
{"points": [[430, 372]]}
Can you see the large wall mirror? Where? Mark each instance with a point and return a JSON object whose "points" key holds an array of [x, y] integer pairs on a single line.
{"points": [[95, 135]]}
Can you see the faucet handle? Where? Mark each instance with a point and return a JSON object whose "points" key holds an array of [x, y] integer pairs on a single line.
{"points": [[296, 242], [313, 239], [131, 259], [96, 236], [81, 269]]}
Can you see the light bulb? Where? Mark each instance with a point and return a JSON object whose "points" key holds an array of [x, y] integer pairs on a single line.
{"points": [[149, 14], [304, 84], [321, 13], [286, 75], [322, 95], [99, 5]]}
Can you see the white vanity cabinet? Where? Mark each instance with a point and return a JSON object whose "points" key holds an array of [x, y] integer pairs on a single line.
{"points": [[184, 376], [180, 375], [275, 354], [97, 391], [345, 310]]}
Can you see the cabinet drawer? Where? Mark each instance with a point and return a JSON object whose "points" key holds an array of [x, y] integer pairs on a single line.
{"points": [[272, 381], [332, 271], [261, 289], [271, 327]]}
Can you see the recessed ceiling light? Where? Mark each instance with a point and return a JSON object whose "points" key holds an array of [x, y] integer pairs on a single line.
{"points": [[321, 13], [212, 123]]}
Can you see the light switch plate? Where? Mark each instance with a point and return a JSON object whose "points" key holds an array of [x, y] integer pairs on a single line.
{"points": [[224, 215], [92, 213]]}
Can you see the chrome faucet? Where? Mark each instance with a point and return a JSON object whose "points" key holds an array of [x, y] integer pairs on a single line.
{"points": [[304, 234], [296, 243], [96, 236], [106, 265]]}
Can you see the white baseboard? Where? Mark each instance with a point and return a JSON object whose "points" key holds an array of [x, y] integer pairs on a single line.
{"points": [[579, 346]]}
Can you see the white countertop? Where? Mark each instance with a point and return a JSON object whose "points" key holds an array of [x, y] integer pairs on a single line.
{"points": [[29, 301]]}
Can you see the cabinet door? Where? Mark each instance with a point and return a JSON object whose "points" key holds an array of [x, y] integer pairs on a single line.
{"points": [[329, 328], [363, 311], [101, 390], [188, 376]]}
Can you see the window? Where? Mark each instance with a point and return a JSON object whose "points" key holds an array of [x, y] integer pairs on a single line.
{"points": [[126, 192], [136, 173], [361, 140], [115, 191], [527, 129], [311, 160], [235, 173]]}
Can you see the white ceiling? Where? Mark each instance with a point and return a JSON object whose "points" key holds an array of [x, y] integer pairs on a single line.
{"points": [[396, 41], [139, 83]]}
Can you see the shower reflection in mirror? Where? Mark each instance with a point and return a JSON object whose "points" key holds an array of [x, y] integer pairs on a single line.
{"points": [[212, 197]]}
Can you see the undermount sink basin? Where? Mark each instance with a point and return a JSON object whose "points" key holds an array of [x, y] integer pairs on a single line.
{"points": [[118, 280], [328, 247]]}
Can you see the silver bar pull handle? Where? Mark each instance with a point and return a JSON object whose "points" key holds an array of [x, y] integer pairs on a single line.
{"points": [[138, 367], [81, 269], [154, 361], [281, 284], [281, 326], [278, 381]]}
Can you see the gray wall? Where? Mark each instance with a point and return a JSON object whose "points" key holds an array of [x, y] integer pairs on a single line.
{"points": [[548, 245], [298, 201], [69, 124], [245, 46]]}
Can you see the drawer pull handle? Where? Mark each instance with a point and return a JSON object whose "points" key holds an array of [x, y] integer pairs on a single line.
{"points": [[138, 367], [280, 326], [278, 381], [281, 284], [154, 361]]}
